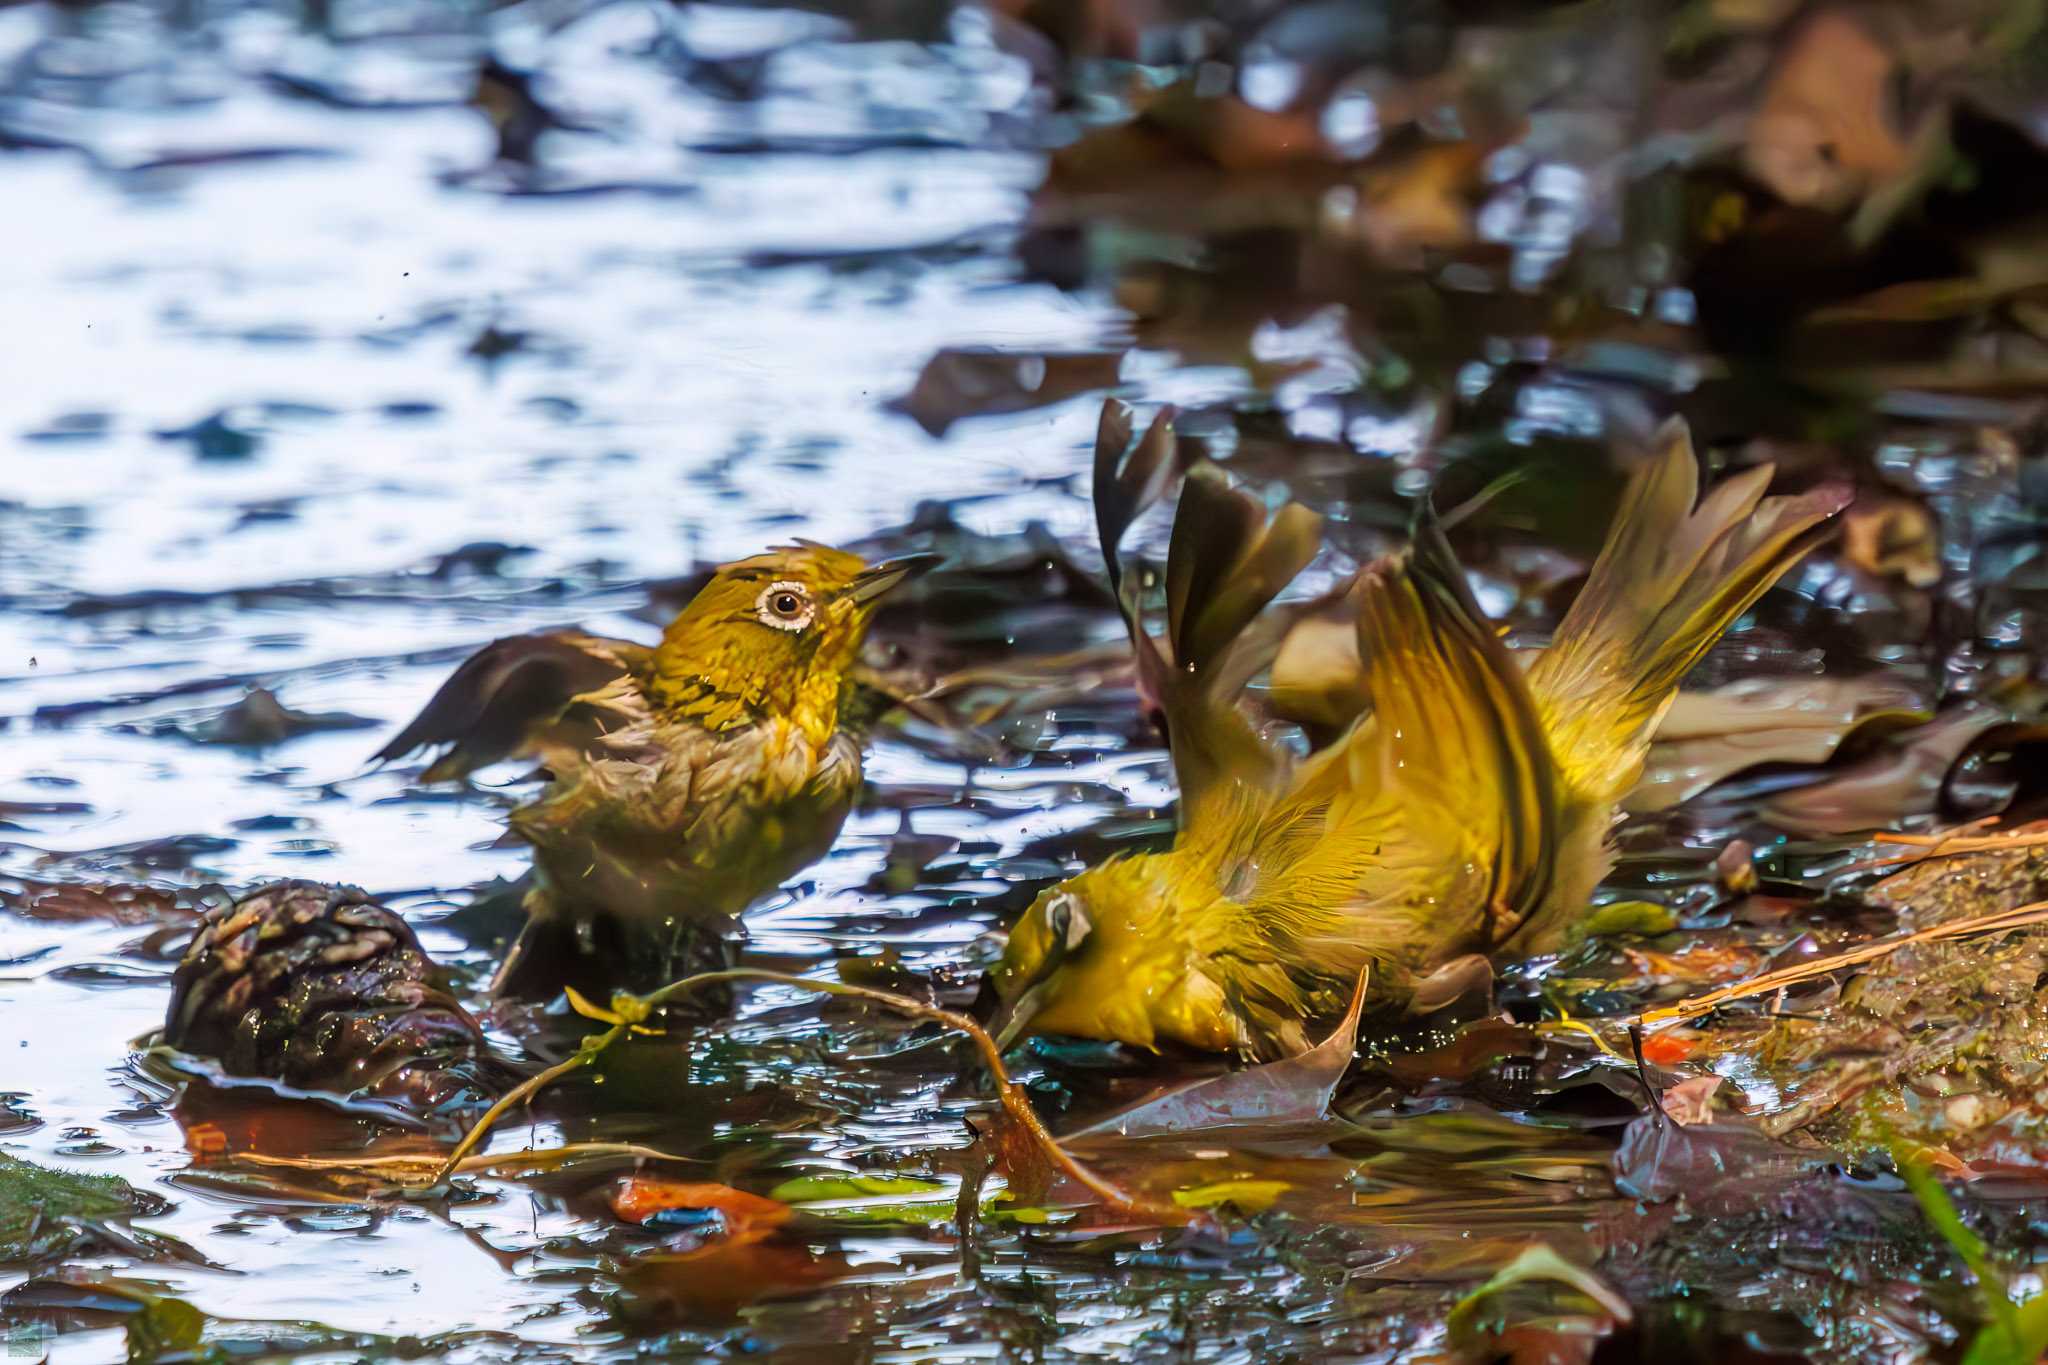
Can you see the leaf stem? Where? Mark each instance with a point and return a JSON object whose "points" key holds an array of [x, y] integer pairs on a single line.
{"points": [[1014, 1101]]}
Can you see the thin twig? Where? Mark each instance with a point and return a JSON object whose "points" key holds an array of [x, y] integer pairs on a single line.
{"points": [[1691, 1008], [485, 1162], [1953, 843], [1635, 1046], [522, 1092], [2023, 835], [628, 1011], [1014, 1101]]}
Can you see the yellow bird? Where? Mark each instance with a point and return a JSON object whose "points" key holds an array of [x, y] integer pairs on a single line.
{"points": [[1467, 811], [688, 780]]}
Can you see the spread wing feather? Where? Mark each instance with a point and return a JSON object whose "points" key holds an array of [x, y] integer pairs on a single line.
{"points": [[503, 700], [1431, 827]]}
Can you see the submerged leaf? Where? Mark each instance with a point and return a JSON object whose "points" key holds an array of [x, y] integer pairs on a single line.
{"points": [[162, 1328], [1245, 1195], [874, 1199], [1659, 1159], [1539, 1262], [1295, 1090]]}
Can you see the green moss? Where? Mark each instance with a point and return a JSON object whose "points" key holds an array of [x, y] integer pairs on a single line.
{"points": [[45, 1212]]}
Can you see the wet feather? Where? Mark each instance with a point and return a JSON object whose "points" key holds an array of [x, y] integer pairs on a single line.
{"points": [[1465, 808]]}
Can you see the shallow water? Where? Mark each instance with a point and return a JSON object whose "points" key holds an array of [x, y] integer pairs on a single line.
{"points": [[288, 356]]}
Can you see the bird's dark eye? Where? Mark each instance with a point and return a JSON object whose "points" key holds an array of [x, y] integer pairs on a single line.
{"points": [[1067, 923], [785, 606], [1059, 916]]}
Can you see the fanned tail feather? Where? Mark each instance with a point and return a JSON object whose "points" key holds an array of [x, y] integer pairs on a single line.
{"points": [[1671, 579]]}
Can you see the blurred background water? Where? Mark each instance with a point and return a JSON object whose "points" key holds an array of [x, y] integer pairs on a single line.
{"points": [[343, 338]]}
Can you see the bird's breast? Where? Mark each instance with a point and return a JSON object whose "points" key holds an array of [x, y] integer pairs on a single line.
{"points": [[713, 824]]}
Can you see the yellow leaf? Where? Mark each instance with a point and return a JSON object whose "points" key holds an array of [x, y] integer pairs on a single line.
{"points": [[1246, 1196], [581, 1004]]}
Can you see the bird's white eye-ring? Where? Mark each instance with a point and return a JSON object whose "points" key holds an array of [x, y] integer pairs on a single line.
{"points": [[1068, 922], [784, 605]]}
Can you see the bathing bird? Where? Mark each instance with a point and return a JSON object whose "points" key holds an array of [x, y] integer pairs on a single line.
{"points": [[1466, 810], [687, 779]]}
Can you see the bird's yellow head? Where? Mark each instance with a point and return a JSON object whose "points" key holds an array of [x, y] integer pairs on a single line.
{"points": [[1106, 954], [774, 636]]}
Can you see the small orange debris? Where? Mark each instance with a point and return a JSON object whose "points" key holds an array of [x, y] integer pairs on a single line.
{"points": [[638, 1198], [1670, 1046], [206, 1140]]}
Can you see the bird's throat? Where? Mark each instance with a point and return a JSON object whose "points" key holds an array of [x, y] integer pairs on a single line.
{"points": [[721, 699]]}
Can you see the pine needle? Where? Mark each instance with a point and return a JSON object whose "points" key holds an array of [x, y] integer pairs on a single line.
{"points": [[1955, 842], [1998, 922]]}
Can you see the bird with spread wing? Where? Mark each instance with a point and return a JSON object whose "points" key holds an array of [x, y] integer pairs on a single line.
{"points": [[1465, 810], [687, 779]]}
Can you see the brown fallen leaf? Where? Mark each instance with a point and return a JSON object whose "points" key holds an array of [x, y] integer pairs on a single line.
{"points": [[1659, 1159], [1901, 778], [1893, 537], [1421, 202], [1474, 1046], [972, 382], [127, 903], [1709, 736], [1823, 136], [714, 1283], [1234, 135]]}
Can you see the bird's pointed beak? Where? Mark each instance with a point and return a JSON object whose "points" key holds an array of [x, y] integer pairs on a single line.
{"points": [[1012, 1017], [890, 574]]}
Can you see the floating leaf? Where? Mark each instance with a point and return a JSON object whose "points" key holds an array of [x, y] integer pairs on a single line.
{"points": [[1628, 917], [872, 1198], [1295, 1090], [1244, 1195], [1539, 1262], [810, 1189]]}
